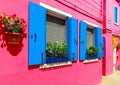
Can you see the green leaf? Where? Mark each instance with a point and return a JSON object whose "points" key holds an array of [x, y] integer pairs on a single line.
{"points": [[56, 50]]}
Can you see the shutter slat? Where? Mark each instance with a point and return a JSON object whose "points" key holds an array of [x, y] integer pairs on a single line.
{"points": [[37, 34]]}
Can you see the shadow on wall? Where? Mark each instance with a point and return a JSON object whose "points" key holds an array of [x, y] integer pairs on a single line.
{"points": [[13, 42], [14, 49]]}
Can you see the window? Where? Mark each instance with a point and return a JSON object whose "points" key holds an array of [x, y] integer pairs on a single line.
{"points": [[56, 29], [48, 24], [56, 33], [116, 13], [90, 35], [90, 40]]}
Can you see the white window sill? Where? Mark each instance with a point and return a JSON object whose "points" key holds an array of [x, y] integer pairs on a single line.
{"points": [[91, 60], [55, 64], [116, 24]]}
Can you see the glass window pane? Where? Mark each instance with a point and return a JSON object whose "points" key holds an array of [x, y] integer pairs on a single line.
{"points": [[90, 37], [56, 29]]}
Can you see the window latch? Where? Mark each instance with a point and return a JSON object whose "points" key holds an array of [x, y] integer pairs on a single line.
{"points": [[35, 37], [75, 42]]}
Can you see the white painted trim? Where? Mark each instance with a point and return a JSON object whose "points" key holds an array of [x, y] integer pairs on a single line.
{"points": [[91, 60], [55, 10], [91, 24], [55, 64]]}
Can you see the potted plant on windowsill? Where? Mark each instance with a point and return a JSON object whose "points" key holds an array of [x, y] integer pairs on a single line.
{"points": [[92, 51], [12, 28], [56, 52]]}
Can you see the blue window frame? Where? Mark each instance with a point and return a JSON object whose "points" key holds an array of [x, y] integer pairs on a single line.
{"points": [[116, 13], [37, 36], [98, 41]]}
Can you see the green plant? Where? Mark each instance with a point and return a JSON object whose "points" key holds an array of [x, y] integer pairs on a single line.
{"points": [[56, 50], [92, 50], [12, 28], [12, 23]]}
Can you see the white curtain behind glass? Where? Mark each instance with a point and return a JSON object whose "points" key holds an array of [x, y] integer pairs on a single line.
{"points": [[90, 39]]}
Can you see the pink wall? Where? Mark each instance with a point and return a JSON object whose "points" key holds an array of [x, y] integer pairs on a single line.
{"points": [[108, 60], [9, 63], [108, 29], [118, 55], [110, 17], [109, 14], [116, 32], [118, 59], [110, 26], [14, 69], [115, 28], [86, 8]]}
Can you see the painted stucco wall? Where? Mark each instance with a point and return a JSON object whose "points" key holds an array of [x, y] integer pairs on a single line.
{"points": [[108, 60], [8, 62], [116, 32], [118, 55], [110, 17], [14, 70]]}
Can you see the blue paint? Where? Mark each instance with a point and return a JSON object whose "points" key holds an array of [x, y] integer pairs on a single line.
{"points": [[91, 57], [72, 38], [83, 39], [103, 47], [57, 59], [115, 14], [98, 39], [37, 34]]}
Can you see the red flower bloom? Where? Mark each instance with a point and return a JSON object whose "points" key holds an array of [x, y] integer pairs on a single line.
{"points": [[13, 16], [23, 21], [12, 23]]}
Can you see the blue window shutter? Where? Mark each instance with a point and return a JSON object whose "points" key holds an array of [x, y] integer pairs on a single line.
{"points": [[115, 14], [72, 39], [83, 43], [98, 38], [103, 46], [37, 34]]}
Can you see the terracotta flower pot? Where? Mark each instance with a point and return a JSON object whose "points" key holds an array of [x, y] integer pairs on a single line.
{"points": [[13, 38]]}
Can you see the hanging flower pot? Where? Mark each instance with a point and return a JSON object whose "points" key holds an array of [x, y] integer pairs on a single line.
{"points": [[13, 38], [12, 28]]}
